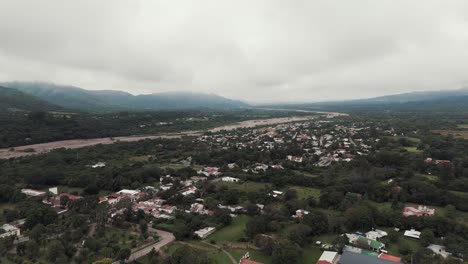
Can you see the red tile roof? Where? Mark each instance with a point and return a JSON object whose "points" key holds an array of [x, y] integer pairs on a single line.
{"points": [[248, 261], [389, 257]]}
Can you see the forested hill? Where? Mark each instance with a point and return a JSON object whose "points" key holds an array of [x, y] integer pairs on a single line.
{"points": [[108, 100], [13, 100]]}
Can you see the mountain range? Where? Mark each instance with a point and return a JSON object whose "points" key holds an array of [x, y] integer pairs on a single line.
{"points": [[74, 98], [33, 96]]}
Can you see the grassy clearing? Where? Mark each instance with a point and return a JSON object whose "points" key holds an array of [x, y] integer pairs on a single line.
{"points": [[456, 133], [327, 238], [170, 249], [243, 187], [393, 248], [141, 158], [231, 233], [218, 257], [460, 194], [413, 150], [463, 126], [4, 206], [429, 178], [411, 139], [311, 254], [254, 255], [306, 192]]}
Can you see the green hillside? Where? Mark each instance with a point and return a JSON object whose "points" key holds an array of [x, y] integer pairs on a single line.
{"points": [[14, 100]]}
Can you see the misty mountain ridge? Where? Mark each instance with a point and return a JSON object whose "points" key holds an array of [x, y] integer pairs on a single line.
{"points": [[110, 100], [14, 100]]}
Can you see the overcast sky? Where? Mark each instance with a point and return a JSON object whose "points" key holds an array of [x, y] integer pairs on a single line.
{"points": [[259, 51]]}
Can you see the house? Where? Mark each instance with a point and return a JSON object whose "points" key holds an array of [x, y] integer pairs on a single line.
{"points": [[98, 165], [300, 213], [294, 158], [34, 193], [205, 232], [55, 201], [188, 191], [420, 211], [129, 192], [169, 209], [439, 250], [349, 257], [328, 257], [275, 193], [364, 242], [376, 234], [412, 233], [229, 179], [389, 257], [7, 230]]}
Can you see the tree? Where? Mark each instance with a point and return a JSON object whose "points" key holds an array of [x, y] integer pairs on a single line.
{"points": [[285, 251], [64, 200], [32, 249], [265, 243], [299, 234], [317, 221], [55, 250], [255, 225], [21, 249], [339, 243], [124, 254], [143, 227], [427, 237], [37, 233], [290, 194], [451, 211]]}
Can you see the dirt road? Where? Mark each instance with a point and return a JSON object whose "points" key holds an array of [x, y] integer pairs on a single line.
{"points": [[164, 239]]}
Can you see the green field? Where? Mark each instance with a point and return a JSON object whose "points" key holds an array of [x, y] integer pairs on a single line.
{"points": [[218, 257], [311, 254], [413, 149], [463, 126], [411, 139], [231, 233], [393, 248], [244, 187], [306, 192]]}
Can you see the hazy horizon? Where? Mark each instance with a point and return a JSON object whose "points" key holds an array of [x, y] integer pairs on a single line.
{"points": [[255, 51]]}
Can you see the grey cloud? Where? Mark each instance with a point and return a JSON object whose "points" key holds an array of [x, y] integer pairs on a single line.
{"points": [[259, 51]]}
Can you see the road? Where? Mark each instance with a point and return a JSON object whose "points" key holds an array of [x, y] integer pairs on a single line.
{"points": [[164, 239]]}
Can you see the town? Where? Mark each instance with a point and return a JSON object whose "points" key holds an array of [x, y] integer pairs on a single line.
{"points": [[250, 195]]}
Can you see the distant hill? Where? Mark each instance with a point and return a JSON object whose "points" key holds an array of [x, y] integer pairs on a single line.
{"points": [[411, 97], [430, 101], [109, 100], [14, 100]]}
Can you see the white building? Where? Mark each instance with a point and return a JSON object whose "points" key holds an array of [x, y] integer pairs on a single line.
{"points": [[205, 232], [229, 179], [439, 250], [412, 233], [376, 234], [9, 230], [129, 192], [328, 256], [31, 192]]}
